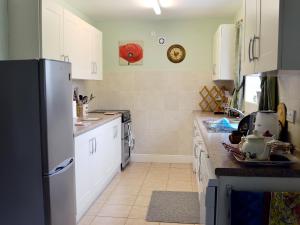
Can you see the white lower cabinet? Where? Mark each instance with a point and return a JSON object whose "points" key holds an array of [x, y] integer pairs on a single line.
{"points": [[97, 160]]}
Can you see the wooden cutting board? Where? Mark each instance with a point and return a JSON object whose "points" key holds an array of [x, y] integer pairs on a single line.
{"points": [[281, 111]]}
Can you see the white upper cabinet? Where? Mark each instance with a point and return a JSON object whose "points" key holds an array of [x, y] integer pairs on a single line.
{"points": [[97, 54], [270, 37], [67, 37], [249, 33], [224, 52], [52, 30], [266, 44], [77, 46]]}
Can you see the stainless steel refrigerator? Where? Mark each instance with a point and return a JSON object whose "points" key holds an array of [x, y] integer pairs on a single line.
{"points": [[37, 180]]}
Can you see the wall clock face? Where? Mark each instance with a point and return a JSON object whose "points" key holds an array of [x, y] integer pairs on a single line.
{"points": [[176, 53]]}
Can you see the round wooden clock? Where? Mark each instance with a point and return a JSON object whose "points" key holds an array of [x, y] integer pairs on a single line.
{"points": [[176, 53]]}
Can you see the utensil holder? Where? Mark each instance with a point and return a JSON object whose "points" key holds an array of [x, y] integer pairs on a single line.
{"points": [[82, 110]]}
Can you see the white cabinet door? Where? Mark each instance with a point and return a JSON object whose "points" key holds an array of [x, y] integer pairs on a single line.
{"points": [[84, 147], [52, 30], [77, 47], [224, 52], [266, 45], [97, 57], [216, 55], [248, 66]]}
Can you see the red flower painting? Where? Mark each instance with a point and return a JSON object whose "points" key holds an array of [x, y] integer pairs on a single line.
{"points": [[131, 53]]}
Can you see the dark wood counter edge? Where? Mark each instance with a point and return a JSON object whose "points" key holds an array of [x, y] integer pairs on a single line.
{"points": [[239, 170]]}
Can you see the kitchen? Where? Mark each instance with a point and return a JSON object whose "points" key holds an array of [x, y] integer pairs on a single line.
{"points": [[162, 96]]}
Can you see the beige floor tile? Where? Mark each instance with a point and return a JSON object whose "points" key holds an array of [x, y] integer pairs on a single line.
{"points": [[154, 185], [157, 177], [136, 182], [94, 209], [126, 190], [142, 200], [160, 165], [148, 191], [115, 211], [121, 200], [86, 220], [108, 221], [151, 183], [102, 198], [180, 179], [139, 222], [138, 212], [181, 165]]}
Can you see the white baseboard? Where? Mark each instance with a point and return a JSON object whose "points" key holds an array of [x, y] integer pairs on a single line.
{"points": [[161, 158]]}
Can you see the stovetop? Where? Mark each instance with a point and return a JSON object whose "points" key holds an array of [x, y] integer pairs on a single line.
{"points": [[126, 117]]}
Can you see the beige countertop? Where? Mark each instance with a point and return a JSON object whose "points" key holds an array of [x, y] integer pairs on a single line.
{"points": [[90, 125], [223, 162]]}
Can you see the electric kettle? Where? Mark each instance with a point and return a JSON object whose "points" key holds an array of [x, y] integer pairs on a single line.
{"points": [[267, 122]]}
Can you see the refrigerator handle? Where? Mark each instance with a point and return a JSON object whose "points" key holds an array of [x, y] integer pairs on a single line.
{"points": [[62, 167]]}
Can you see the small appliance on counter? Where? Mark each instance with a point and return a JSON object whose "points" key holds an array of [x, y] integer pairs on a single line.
{"points": [[267, 121], [128, 141]]}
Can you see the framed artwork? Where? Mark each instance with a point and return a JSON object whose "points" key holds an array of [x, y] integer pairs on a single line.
{"points": [[131, 53]]}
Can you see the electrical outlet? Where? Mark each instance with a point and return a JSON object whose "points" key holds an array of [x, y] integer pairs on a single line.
{"points": [[291, 116]]}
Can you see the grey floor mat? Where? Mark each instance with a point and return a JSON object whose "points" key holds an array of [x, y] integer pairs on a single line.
{"points": [[174, 207]]}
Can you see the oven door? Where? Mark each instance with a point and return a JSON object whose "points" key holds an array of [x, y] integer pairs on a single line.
{"points": [[125, 152]]}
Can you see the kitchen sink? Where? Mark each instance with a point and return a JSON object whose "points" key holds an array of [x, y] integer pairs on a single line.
{"points": [[223, 125]]}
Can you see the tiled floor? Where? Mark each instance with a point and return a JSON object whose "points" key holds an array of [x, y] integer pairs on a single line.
{"points": [[125, 201]]}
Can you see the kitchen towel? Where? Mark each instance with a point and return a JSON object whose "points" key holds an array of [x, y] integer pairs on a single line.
{"points": [[285, 208], [249, 208], [265, 208]]}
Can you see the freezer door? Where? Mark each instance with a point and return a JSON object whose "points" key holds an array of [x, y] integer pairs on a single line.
{"points": [[60, 195], [21, 186], [56, 104]]}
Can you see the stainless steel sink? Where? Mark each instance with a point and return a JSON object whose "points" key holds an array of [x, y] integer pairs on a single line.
{"points": [[223, 125]]}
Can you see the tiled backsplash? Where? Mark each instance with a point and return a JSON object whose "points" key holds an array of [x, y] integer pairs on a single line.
{"points": [[289, 86], [161, 104]]}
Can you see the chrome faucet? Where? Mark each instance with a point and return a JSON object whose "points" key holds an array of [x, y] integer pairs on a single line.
{"points": [[229, 109]]}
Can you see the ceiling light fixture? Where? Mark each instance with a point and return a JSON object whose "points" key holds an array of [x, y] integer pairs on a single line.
{"points": [[166, 3], [156, 7]]}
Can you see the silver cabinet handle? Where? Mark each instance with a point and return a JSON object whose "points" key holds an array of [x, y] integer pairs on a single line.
{"points": [[115, 134], [92, 64], [253, 47], [91, 145], [95, 141], [249, 50], [66, 58], [96, 68]]}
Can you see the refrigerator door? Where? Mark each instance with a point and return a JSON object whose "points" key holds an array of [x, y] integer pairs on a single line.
{"points": [[21, 188], [57, 117], [60, 195]]}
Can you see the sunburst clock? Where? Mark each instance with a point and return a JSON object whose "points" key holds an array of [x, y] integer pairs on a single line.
{"points": [[176, 53]]}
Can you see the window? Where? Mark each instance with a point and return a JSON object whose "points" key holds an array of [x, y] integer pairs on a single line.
{"points": [[252, 93]]}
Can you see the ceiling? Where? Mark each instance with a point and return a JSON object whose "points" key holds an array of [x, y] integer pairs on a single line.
{"points": [[141, 9]]}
